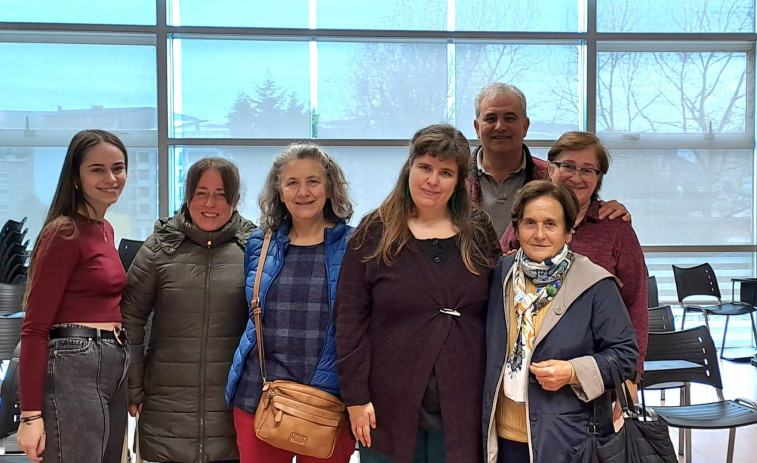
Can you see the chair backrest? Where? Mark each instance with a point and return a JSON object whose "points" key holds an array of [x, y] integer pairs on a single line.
{"points": [[127, 251], [13, 225], [10, 334], [748, 291], [694, 345], [696, 281], [661, 319], [653, 299], [12, 267], [11, 298]]}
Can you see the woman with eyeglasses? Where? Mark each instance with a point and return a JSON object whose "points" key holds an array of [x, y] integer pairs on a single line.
{"points": [[580, 161]]}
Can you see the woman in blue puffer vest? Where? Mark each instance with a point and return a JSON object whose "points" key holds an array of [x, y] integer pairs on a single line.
{"points": [[304, 202]]}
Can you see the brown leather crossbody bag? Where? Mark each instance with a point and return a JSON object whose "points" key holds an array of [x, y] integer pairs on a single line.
{"points": [[292, 416]]}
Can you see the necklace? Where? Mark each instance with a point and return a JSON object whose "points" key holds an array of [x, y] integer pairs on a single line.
{"points": [[101, 226]]}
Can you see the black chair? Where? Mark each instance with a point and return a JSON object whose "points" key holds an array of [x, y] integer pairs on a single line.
{"points": [[701, 281], [10, 409], [127, 250], [696, 346], [653, 298], [661, 319], [15, 265], [10, 239], [12, 225]]}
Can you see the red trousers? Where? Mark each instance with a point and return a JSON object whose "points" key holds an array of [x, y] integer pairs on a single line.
{"points": [[253, 450]]}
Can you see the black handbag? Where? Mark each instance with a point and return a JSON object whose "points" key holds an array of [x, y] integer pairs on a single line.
{"points": [[643, 438]]}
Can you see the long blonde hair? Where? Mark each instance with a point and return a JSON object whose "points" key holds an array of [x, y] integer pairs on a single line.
{"points": [[441, 141]]}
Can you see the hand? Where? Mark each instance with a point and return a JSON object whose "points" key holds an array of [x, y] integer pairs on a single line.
{"points": [[511, 251], [552, 374], [362, 419], [612, 210], [617, 411], [31, 437], [135, 409]]}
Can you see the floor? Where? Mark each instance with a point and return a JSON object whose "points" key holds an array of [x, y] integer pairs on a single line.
{"points": [[740, 381]]}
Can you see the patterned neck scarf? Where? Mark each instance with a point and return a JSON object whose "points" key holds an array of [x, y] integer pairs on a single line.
{"points": [[548, 277]]}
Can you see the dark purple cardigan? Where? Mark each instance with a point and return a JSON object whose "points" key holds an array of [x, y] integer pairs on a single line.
{"points": [[390, 334]]}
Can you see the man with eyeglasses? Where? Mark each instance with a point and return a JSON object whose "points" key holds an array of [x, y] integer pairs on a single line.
{"points": [[502, 164]]}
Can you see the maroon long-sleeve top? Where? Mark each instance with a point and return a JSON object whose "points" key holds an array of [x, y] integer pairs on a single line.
{"points": [[77, 278], [613, 245]]}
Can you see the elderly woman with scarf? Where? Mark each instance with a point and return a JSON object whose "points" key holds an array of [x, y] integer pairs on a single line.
{"points": [[553, 317]]}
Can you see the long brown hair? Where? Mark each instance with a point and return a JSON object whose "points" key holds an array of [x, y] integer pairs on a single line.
{"points": [[69, 197], [441, 141]]}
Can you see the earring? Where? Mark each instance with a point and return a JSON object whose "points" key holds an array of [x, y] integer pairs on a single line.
{"points": [[407, 191], [76, 187], [453, 202]]}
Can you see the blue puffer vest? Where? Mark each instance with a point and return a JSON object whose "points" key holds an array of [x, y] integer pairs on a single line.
{"points": [[324, 377]]}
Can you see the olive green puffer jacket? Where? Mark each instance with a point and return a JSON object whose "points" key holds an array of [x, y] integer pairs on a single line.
{"points": [[192, 282]]}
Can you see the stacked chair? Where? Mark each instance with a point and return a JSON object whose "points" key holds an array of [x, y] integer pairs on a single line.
{"points": [[14, 252], [14, 256]]}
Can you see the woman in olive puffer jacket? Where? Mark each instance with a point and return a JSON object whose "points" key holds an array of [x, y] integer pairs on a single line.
{"points": [[189, 276]]}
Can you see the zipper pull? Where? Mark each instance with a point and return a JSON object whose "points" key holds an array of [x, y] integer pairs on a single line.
{"points": [[209, 244]]}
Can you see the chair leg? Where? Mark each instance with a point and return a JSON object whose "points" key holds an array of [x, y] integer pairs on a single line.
{"points": [[754, 329], [683, 318], [731, 440], [662, 395], [725, 331], [707, 321]]}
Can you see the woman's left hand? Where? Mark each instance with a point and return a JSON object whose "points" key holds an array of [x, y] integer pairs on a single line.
{"points": [[552, 374], [612, 210]]}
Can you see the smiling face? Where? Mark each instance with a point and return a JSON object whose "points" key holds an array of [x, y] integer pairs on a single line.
{"points": [[208, 207], [541, 231], [584, 188], [432, 183], [501, 126], [304, 190], [102, 176]]}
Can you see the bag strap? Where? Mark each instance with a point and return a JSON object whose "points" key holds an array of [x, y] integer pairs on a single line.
{"points": [[621, 391], [255, 302]]}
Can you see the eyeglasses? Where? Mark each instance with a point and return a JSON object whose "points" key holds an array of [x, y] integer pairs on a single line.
{"points": [[586, 173]]}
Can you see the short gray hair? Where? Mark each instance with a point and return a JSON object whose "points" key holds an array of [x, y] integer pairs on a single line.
{"points": [[338, 205], [499, 89]]}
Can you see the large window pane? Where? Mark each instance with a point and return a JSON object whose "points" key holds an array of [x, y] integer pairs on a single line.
{"points": [[548, 75], [240, 88], [382, 14], [672, 92], [685, 196], [675, 16], [138, 12], [75, 86], [368, 186], [380, 90], [517, 15], [29, 177], [238, 13]]}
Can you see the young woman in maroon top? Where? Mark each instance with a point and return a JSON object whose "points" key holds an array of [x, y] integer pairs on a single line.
{"points": [[580, 161], [410, 311], [74, 356]]}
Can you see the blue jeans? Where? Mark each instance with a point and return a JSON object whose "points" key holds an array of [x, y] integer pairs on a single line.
{"points": [[85, 400]]}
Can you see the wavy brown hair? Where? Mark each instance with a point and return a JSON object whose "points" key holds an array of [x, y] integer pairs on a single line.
{"points": [[443, 142]]}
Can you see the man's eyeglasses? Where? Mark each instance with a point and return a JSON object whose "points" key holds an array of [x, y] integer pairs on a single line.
{"points": [[586, 173]]}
